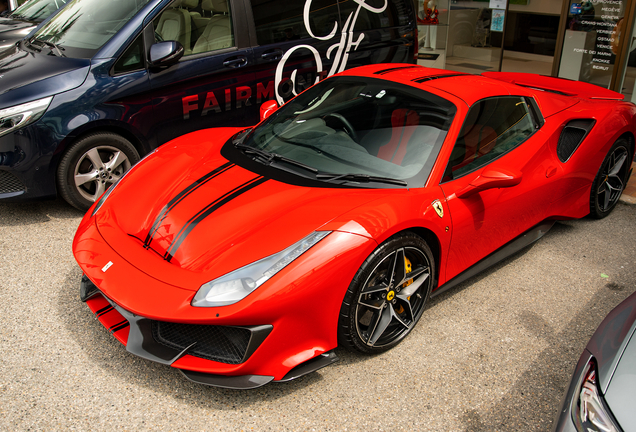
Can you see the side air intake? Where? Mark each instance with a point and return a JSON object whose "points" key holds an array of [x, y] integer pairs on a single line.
{"points": [[572, 136]]}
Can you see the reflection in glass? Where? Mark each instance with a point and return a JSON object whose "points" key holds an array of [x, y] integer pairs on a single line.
{"points": [[84, 26]]}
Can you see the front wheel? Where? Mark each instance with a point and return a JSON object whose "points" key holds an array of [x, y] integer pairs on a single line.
{"points": [[610, 180], [387, 295], [91, 165]]}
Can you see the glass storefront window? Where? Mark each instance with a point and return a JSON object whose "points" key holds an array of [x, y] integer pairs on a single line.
{"points": [[628, 77], [591, 40]]}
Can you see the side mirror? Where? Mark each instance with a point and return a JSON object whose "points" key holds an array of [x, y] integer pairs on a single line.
{"points": [[490, 179], [268, 108], [164, 54]]}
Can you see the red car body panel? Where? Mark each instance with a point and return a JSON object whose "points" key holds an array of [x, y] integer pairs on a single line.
{"points": [[158, 265]]}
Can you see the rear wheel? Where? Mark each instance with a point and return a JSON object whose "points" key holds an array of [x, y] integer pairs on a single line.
{"points": [[91, 165], [387, 296], [610, 180]]}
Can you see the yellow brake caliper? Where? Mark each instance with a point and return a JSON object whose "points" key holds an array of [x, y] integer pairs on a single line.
{"points": [[408, 267]]}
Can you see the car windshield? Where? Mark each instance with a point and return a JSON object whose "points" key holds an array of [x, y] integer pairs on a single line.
{"points": [[348, 128], [84, 26], [37, 10]]}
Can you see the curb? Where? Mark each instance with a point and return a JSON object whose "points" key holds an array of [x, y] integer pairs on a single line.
{"points": [[627, 199]]}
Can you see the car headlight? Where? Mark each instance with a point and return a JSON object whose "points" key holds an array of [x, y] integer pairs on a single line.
{"points": [[18, 116], [589, 411], [238, 284]]}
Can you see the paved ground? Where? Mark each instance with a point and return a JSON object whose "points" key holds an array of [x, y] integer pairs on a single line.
{"points": [[495, 354]]}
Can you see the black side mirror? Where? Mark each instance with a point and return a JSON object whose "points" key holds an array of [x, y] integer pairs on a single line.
{"points": [[164, 54]]}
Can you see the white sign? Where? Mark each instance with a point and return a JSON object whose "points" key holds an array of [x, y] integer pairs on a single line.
{"points": [[339, 51], [498, 4]]}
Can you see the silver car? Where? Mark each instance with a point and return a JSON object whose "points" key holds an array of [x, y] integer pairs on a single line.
{"points": [[602, 392]]}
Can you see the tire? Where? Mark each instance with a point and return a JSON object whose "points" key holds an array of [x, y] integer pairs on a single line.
{"points": [[91, 165], [384, 301], [610, 180]]}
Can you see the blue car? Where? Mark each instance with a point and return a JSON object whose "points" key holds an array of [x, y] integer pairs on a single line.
{"points": [[104, 82]]}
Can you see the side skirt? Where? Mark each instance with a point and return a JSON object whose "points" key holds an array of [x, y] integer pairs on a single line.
{"points": [[514, 246]]}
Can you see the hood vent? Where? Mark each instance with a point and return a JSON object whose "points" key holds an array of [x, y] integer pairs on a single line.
{"points": [[434, 77]]}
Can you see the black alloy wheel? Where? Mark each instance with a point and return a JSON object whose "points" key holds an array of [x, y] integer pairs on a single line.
{"points": [[387, 296], [611, 179]]}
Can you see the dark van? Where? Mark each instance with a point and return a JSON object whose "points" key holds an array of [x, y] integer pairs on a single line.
{"points": [[103, 82]]}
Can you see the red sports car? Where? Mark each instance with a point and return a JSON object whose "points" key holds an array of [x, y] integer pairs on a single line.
{"points": [[244, 256]]}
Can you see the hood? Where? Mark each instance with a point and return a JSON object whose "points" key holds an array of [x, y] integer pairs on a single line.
{"points": [[27, 75], [12, 30], [190, 215]]}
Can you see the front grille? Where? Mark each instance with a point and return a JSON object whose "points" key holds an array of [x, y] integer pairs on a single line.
{"points": [[10, 183], [218, 343]]}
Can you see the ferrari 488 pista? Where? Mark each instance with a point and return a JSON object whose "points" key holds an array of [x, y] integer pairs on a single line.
{"points": [[244, 256]]}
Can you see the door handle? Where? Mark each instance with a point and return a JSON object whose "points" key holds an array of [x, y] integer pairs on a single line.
{"points": [[235, 62], [275, 54]]}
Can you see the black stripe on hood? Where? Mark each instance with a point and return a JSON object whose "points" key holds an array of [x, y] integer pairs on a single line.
{"points": [[180, 196], [207, 211]]}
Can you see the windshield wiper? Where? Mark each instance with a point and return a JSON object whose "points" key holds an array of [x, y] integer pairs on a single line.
{"points": [[362, 178], [268, 157], [51, 45]]}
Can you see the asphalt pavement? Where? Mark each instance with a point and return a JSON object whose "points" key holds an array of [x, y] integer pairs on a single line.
{"points": [[494, 354]]}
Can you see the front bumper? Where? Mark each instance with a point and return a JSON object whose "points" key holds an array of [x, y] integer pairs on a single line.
{"points": [[148, 339], [27, 168], [299, 309], [143, 337]]}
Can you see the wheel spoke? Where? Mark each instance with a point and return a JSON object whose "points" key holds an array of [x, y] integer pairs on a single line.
{"points": [[607, 196], [415, 273], [81, 179], [101, 188], [409, 290], [399, 269], [406, 304], [375, 288], [384, 319], [96, 160], [372, 303], [618, 164], [118, 159]]}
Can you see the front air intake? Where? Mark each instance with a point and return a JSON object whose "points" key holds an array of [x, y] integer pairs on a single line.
{"points": [[572, 136], [10, 183]]}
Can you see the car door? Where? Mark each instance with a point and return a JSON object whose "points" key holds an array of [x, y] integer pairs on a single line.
{"points": [[497, 181], [210, 86]]}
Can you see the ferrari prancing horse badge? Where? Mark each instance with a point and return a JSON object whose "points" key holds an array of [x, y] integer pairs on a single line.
{"points": [[437, 205]]}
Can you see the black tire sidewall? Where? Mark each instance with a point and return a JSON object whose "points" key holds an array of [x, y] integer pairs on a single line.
{"points": [[66, 168], [347, 331], [595, 211]]}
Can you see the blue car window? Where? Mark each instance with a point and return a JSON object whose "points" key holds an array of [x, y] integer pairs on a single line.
{"points": [[200, 28], [278, 21], [84, 26], [133, 58]]}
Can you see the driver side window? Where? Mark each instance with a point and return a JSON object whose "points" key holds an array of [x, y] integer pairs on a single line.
{"points": [[492, 128], [199, 25]]}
